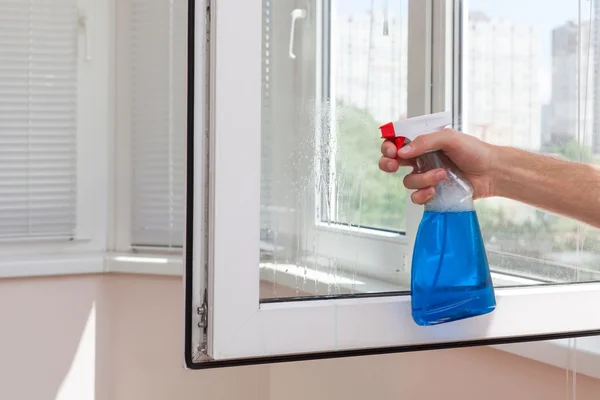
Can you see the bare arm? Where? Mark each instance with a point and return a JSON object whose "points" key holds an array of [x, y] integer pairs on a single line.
{"points": [[562, 187]]}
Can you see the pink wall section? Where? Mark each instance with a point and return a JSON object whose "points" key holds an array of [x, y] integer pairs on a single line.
{"points": [[119, 337]]}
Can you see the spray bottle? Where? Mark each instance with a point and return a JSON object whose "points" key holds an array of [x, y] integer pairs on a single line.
{"points": [[450, 276]]}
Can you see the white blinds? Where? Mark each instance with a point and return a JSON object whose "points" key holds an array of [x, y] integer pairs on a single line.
{"points": [[158, 101], [38, 108]]}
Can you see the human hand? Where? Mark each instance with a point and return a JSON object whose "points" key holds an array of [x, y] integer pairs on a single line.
{"points": [[474, 158]]}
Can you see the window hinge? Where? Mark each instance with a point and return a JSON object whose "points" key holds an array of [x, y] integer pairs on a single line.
{"points": [[202, 313], [202, 310]]}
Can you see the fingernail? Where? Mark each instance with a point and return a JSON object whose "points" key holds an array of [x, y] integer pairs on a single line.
{"points": [[391, 153], [404, 150], [440, 175], [390, 166]]}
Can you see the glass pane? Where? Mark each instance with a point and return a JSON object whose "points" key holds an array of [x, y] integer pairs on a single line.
{"points": [[529, 81], [333, 72], [368, 87]]}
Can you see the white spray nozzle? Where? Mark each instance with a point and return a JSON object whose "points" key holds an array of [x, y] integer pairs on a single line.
{"points": [[413, 127]]}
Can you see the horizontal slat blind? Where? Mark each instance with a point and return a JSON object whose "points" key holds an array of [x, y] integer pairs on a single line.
{"points": [[38, 110], [158, 101]]}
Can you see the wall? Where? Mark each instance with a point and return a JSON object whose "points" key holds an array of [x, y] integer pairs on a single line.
{"points": [[52, 338], [118, 337]]}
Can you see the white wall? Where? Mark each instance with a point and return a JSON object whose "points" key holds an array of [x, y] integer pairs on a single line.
{"points": [[119, 337]]}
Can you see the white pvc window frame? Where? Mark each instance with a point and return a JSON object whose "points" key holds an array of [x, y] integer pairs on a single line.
{"points": [[238, 326]]}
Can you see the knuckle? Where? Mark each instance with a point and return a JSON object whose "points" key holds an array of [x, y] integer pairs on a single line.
{"points": [[448, 131], [420, 142], [414, 181], [430, 179]]}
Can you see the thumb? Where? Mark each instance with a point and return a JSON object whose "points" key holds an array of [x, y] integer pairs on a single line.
{"points": [[440, 140]]}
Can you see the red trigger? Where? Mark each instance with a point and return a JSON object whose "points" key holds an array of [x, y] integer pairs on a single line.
{"points": [[399, 142]]}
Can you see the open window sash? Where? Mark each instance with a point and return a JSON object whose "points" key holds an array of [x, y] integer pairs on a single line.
{"points": [[226, 323]]}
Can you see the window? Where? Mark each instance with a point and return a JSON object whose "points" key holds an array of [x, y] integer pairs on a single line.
{"points": [[38, 120], [542, 67], [77, 192], [54, 124], [313, 276], [297, 245], [363, 50], [151, 123], [158, 122]]}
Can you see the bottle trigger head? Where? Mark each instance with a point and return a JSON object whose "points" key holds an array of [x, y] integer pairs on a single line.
{"points": [[388, 132]]}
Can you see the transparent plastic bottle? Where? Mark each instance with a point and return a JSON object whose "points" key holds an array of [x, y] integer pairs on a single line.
{"points": [[450, 276]]}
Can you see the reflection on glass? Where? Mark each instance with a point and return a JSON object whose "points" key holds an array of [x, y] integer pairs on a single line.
{"points": [[530, 81], [325, 92]]}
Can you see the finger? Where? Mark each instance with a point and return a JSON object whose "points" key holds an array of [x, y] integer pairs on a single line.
{"points": [[422, 196], [432, 141], [388, 164], [427, 179], [392, 165], [388, 149]]}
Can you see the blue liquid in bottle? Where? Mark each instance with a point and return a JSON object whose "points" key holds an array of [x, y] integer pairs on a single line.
{"points": [[450, 276]]}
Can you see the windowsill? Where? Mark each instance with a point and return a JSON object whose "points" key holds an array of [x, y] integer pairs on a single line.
{"points": [[144, 264], [556, 352], [52, 265], [90, 263]]}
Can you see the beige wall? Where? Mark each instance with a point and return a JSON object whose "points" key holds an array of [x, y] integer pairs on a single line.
{"points": [[119, 338]]}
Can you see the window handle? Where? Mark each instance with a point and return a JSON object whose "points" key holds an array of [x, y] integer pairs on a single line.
{"points": [[298, 13], [84, 23]]}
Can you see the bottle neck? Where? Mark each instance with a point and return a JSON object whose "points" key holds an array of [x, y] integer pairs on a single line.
{"points": [[453, 194]]}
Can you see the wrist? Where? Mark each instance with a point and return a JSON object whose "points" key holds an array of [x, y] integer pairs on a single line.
{"points": [[502, 160]]}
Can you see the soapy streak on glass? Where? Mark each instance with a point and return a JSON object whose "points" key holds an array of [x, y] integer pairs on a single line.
{"points": [[329, 177], [294, 254]]}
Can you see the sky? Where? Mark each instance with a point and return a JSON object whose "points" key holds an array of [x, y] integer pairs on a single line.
{"points": [[525, 11], [543, 14]]}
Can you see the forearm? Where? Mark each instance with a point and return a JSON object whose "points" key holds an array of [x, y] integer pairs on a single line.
{"points": [[562, 187]]}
